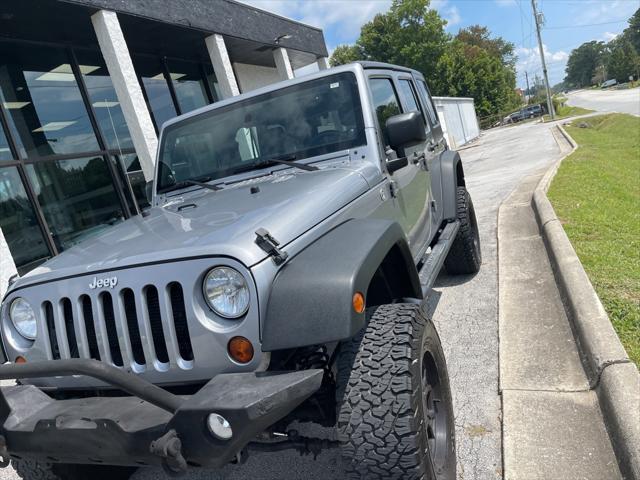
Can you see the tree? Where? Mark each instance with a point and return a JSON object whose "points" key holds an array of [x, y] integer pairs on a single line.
{"points": [[623, 60], [345, 54], [582, 63], [632, 32], [412, 34]]}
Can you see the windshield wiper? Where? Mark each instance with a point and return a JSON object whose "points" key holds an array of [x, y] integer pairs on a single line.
{"points": [[188, 183], [289, 160]]}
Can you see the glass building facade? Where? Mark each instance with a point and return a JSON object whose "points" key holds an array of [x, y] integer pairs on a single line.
{"points": [[68, 167]]}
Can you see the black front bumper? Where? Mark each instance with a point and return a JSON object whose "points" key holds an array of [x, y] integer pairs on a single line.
{"points": [[151, 427]]}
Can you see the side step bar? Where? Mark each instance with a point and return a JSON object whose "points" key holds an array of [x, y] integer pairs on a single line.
{"points": [[432, 261]]}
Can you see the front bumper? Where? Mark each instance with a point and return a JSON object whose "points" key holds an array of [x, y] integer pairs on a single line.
{"points": [[150, 427]]}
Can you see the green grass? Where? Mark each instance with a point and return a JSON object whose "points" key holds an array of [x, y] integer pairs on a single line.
{"points": [[566, 111], [596, 194]]}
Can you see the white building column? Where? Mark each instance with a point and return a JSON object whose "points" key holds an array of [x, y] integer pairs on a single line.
{"points": [[283, 64], [7, 266], [123, 75], [323, 63], [222, 65]]}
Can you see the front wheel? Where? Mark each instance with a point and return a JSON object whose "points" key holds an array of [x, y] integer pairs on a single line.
{"points": [[395, 414], [465, 255], [28, 469]]}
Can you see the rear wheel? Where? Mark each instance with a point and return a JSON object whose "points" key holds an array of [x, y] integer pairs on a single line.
{"points": [[28, 469], [465, 255], [395, 414]]}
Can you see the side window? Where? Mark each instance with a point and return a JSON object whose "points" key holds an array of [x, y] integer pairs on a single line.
{"points": [[426, 96], [385, 101], [410, 98]]}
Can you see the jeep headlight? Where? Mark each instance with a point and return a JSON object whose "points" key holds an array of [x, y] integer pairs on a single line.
{"points": [[226, 291], [23, 318]]}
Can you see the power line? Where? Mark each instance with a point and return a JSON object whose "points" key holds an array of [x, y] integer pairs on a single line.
{"points": [[559, 27]]}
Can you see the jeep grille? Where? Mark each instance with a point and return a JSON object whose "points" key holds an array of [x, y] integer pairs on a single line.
{"points": [[114, 316]]}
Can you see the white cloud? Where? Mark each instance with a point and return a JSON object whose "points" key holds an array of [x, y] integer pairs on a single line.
{"points": [[343, 17], [529, 61], [608, 36]]}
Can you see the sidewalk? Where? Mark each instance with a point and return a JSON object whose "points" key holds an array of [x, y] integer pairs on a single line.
{"points": [[552, 425]]}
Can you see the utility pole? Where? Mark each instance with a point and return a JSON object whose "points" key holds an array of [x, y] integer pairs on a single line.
{"points": [[538, 18], [526, 95]]}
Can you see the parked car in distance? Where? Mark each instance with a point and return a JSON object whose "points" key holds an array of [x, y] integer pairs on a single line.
{"points": [[609, 83], [532, 111]]}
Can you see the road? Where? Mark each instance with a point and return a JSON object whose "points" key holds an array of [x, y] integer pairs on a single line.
{"points": [[465, 310], [622, 101]]}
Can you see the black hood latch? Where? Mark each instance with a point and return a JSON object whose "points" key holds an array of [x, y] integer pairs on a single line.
{"points": [[266, 242]]}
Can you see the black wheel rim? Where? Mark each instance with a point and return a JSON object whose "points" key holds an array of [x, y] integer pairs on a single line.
{"points": [[436, 414]]}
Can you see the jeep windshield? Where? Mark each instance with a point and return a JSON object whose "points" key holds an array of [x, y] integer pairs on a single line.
{"points": [[313, 118]]}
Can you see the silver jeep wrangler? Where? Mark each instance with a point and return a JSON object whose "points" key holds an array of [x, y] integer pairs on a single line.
{"points": [[279, 277]]}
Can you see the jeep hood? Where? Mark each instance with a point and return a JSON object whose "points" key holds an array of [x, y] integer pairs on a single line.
{"points": [[212, 223]]}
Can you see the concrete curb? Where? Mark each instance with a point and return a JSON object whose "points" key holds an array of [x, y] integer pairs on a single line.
{"points": [[614, 377]]}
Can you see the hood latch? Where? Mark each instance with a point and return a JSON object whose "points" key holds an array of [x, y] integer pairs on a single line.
{"points": [[266, 242]]}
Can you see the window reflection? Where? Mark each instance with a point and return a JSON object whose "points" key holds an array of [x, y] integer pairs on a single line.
{"points": [[105, 102], [5, 151], [131, 165], [214, 87], [188, 85], [77, 197], [156, 88], [40, 93], [19, 224]]}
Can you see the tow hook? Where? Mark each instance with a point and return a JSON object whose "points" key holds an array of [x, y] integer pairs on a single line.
{"points": [[169, 448], [4, 454]]}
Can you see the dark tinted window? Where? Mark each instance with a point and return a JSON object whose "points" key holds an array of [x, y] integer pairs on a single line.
{"points": [[44, 105], [410, 98], [156, 88], [104, 101], [385, 101], [312, 118], [5, 151], [18, 223], [188, 84], [77, 197], [428, 101]]}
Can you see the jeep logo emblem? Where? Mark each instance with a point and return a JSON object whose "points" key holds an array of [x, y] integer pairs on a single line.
{"points": [[103, 282]]}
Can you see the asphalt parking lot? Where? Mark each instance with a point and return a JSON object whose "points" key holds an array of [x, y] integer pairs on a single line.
{"points": [[465, 310]]}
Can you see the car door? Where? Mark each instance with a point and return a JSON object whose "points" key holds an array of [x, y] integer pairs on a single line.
{"points": [[421, 156], [407, 184], [435, 147]]}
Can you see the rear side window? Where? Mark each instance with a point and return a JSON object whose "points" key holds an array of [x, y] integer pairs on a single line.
{"points": [[426, 96], [410, 99], [385, 102]]}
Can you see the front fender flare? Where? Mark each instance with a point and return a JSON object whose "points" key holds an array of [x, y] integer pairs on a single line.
{"points": [[311, 297]]}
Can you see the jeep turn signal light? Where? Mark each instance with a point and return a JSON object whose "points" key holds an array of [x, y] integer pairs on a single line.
{"points": [[358, 302], [240, 349]]}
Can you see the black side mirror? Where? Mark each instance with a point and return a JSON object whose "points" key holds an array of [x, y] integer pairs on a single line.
{"points": [[405, 130]]}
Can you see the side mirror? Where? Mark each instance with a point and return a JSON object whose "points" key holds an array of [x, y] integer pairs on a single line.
{"points": [[148, 191], [405, 130]]}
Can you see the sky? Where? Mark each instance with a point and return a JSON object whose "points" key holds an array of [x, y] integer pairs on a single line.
{"points": [[568, 23]]}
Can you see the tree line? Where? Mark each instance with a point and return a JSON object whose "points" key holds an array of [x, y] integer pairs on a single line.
{"points": [[596, 61], [471, 63]]}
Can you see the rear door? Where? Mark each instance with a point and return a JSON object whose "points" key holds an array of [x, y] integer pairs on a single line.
{"points": [[436, 146]]}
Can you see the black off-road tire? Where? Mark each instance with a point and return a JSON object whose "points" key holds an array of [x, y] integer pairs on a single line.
{"points": [[395, 415], [29, 469], [465, 256]]}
